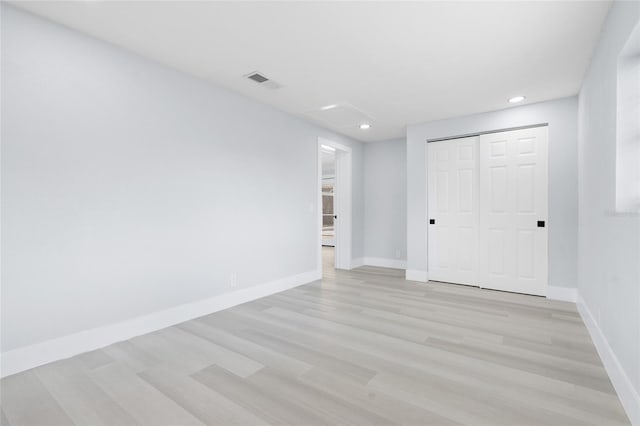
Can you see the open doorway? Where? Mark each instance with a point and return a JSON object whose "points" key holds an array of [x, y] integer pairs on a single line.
{"points": [[329, 215], [334, 201], [328, 196]]}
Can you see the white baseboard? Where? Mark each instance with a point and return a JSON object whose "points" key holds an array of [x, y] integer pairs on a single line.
{"points": [[378, 261], [628, 395], [20, 359], [357, 262], [385, 263], [565, 294], [417, 275]]}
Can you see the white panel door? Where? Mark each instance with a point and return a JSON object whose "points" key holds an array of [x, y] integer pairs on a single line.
{"points": [[513, 211], [453, 210]]}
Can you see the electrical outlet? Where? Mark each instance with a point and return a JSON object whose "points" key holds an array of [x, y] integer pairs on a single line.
{"points": [[233, 280]]}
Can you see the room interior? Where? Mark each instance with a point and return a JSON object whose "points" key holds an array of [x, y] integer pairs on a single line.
{"points": [[320, 213]]}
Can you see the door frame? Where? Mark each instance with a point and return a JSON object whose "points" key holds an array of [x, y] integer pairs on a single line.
{"points": [[342, 207]]}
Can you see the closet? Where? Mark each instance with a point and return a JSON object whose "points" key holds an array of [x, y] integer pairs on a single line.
{"points": [[487, 210]]}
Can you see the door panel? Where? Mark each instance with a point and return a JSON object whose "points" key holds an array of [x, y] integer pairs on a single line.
{"points": [[526, 192], [513, 197], [526, 254], [467, 238], [442, 191], [498, 189], [453, 204], [495, 250], [465, 190]]}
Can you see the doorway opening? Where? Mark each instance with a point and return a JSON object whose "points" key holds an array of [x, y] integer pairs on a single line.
{"points": [[328, 197], [334, 201], [328, 208]]}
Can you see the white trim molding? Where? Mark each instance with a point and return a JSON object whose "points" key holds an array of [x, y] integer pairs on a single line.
{"points": [[357, 262], [385, 263], [378, 261], [417, 275], [20, 359], [565, 294], [627, 394]]}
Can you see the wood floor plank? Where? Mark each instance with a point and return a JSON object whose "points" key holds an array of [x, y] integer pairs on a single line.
{"points": [[314, 357], [206, 403], [330, 409], [25, 401], [468, 405], [188, 353], [4, 421], [267, 404], [263, 355], [79, 396], [144, 402], [94, 359], [394, 410], [571, 372], [132, 356]]}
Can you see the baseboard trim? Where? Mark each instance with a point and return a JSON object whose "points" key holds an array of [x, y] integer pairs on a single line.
{"points": [[628, 395], [357, 262], [565, 294], [416, 275], [25, 358], [378, 261], [385, 263]]}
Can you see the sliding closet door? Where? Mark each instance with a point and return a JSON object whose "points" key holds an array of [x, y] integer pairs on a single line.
{"points": [[513, 211], [453, 210]]}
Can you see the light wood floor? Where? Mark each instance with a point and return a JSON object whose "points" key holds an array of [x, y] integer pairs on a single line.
{"points": [[360, 347]]}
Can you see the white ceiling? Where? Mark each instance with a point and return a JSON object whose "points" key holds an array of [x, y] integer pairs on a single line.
{"points": [[393, 63]]}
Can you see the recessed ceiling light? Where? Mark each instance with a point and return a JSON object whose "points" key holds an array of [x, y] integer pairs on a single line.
{"points": [[365, 126], [516, 99], [328, 148], [332, 106]]}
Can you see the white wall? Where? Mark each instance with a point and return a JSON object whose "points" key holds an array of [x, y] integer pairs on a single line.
{"points": [[608, 242], [628, 126], [561, 115], [129, 188], [385, 205]]}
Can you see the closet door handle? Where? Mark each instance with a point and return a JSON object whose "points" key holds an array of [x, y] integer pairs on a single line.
{"points": [[432, 221]]}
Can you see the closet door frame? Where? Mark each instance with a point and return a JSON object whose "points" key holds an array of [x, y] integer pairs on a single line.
{"points": [[479, 276]]}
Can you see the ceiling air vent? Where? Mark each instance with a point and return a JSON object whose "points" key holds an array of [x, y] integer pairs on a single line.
{"points": [[263, 80], [258, 78]]}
